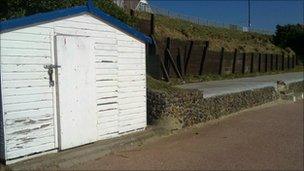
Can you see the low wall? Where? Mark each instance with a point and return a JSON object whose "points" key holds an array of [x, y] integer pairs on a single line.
{"points": [[296, 87], [189, 107]]}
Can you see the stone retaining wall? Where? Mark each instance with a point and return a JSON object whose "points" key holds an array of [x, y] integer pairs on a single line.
{"points": [[189, 107], [296, 87]]}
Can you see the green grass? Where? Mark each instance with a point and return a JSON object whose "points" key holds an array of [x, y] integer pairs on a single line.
{"points": [[161, 85], [218, 37]]}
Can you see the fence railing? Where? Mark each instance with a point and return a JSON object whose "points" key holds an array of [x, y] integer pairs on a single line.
{"points": [[204, 22]]}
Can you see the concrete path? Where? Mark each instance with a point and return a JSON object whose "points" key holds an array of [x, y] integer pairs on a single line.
{"points": [[268, 138], [216, 88]]}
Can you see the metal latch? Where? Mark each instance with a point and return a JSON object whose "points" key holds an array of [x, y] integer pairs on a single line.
{"points": [[50, 68]]}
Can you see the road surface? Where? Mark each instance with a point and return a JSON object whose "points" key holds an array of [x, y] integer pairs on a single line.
{"points": [[269, 138], [215, 88]]}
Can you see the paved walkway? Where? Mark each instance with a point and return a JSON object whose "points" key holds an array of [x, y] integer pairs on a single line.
{"points": [[268, 138], [215, 88]]}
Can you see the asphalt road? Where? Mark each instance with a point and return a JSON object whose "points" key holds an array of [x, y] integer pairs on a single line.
{"points": [[269, 138], [221, 87]]}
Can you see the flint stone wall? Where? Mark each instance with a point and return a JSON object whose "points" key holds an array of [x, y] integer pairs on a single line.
{"points": [[189, 107]]}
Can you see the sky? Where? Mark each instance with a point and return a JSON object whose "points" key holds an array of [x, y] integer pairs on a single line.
{"points": [[265, 14]]}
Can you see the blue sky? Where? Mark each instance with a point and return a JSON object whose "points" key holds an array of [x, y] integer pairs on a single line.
{"points": [[265, 14]]}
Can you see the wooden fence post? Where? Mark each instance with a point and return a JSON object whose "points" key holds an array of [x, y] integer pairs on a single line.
{"points": [[188, 57], [234, 61], [244, 63], [260, 60], [203, 57], [152, 24], [271, 62], [164, 70], [178, 61], [166, 60], [169, 56], [283, 62], [277, 62], [251, 63], [266, 63], [221, 61]]}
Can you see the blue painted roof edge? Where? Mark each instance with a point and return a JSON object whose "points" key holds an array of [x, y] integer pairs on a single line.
{"points": [[48, 16]]}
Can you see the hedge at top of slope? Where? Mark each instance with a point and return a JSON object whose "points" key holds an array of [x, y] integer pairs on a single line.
{"points": [[10, 9]]}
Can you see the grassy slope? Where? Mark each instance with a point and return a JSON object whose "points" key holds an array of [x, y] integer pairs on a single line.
{"points": [[218, 37]]}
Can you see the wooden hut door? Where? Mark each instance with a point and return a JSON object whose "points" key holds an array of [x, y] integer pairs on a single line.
{"points": [[76, 90]]}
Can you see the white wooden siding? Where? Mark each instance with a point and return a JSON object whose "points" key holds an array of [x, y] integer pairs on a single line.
{"points": [[131, 83], [26, 96], [29, 102]]}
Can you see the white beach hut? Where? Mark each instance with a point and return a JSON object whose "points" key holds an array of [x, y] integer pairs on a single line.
{"points": [[68, 78]]}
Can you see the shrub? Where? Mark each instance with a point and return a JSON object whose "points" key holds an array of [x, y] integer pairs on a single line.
{"points": [[291, 36], [10, 9]]}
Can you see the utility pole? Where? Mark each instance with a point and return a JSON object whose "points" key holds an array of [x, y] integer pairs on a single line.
{"points": [[249, 15]]}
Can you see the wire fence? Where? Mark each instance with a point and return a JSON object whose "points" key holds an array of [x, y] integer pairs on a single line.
{"points": [[204, 22]]}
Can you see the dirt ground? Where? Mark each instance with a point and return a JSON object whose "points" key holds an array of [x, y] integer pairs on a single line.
{"points": [[268, 138]]}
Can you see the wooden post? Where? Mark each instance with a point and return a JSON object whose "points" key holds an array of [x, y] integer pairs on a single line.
{"points": [[244, 63], [221, 61], [188, 57], [277, 62], [266, 63], [152, 24], [260, 60], [283, 62], [164, 70], [132, 12], [234, 61], [166, 60], [271, 62], [178, 61], [203, 57], [251, 63], [170, 58], [173, 64]]}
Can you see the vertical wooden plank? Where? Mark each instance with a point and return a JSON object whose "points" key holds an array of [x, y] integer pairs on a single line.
{"points": [[277, 62], [164, 70], [283, 62], [174, 65], [166, 60], [184, 59], [188, 57], [260, 61], [251, 63], [266, 63], [244, 63], [234, 61], [288, 62], [221, 61], [293, 61], [203, 57], [152, 24], [271, 62], [178, 61]]}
